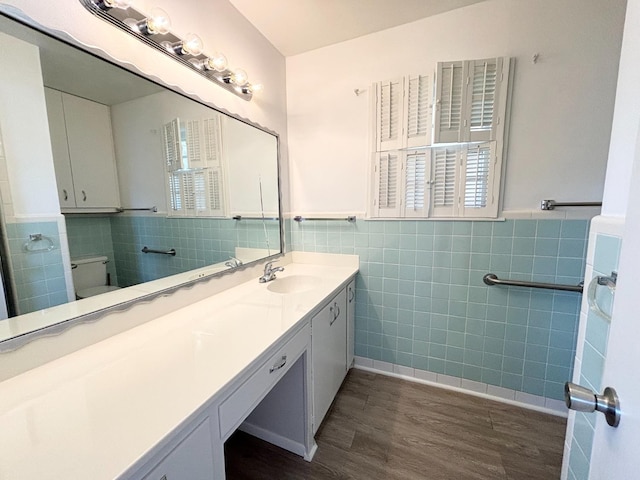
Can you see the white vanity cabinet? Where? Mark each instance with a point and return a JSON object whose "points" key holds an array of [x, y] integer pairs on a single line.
{"points": [[329, 354], [192, 458], [83, 152], [351, 322]]}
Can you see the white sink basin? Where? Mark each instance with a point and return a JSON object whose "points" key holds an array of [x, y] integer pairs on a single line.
{"points": [[293, 284]]}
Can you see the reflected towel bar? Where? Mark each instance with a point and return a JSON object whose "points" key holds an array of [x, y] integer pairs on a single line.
{"points": [[149, 209], [171, 251], [240, 217], [552, 204], [350, 218], [492, 279]]}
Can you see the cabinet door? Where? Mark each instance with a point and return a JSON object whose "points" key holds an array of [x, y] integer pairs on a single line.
{"points": [[59, 148], [91, 151], [192, 459], [351, 318], [329, 355]]}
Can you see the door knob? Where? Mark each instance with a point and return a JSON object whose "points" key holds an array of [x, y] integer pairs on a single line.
{"points": [[582, 399]]}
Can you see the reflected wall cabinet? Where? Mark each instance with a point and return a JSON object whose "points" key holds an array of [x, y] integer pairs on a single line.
{"points": [[83, 153]]}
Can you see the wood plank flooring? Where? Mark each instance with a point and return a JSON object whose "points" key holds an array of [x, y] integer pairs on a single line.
{"points": [[385, 428]]}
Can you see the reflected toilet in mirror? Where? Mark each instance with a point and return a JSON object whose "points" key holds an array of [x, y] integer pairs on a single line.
{"points": [[90, 277]]}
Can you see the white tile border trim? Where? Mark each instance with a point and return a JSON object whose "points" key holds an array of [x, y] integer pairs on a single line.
{"points": [[477, 389]]}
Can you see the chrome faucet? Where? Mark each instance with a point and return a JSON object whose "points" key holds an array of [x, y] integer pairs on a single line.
{"points": [[233, 262], [269, 272]]}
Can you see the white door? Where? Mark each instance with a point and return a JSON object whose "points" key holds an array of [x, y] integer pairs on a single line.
{"points": [[615, 450]]}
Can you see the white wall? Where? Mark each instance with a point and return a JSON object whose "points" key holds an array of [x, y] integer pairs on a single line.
{"points": [[626, 119], [220, 26], [561, 110], [25, 130]]}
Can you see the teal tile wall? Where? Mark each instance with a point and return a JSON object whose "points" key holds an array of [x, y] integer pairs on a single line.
{"points": [[38, 276], [606, 257], [91, 236], [421, 301], [256, 234]]}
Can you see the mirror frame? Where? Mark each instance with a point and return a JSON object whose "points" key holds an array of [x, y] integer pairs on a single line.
{"points": [[21, 339]]}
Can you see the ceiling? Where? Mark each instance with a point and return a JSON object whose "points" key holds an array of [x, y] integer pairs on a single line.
{"points": [[297, 26]]}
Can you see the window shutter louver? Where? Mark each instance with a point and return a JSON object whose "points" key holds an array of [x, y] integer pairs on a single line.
{"points": [[386, 195], [418, 120], [214, 190], [389, 115], [478, 176], [415, 175], [449, 122], [484, 98], [212, 142], [444, 184], [172, 150], [192, 140]]}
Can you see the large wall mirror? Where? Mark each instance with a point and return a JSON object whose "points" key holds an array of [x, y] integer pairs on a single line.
{"points": [[156, 189]]}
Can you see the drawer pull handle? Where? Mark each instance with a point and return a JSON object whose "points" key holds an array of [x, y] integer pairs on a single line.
{"points": [[84, 199], [66, 195], [336, 313], [279, 365], [352, 294], [164, 477]]}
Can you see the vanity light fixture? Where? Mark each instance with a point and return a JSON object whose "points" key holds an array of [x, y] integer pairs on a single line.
{"points": [[154, 29]]}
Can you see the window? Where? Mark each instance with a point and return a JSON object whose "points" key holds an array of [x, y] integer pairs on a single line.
{"points": [[444, 163], [194, 178]]}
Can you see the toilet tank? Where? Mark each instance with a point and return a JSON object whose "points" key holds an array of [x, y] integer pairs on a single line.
{"points": [[89, 272]]}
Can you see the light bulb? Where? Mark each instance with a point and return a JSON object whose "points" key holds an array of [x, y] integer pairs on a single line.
{"points": [[192, 44], [239, 77], [217, 62], [256, 88], [158, 22]]}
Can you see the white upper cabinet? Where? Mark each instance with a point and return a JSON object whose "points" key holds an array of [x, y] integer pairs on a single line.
{"points": [[83, 152]]}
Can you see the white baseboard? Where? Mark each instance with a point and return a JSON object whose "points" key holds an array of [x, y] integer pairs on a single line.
{"points": [[277, 440], [469, 387]]}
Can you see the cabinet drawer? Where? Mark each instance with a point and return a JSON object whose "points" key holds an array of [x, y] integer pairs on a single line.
{"points": [[192, 458], [241, 402]]}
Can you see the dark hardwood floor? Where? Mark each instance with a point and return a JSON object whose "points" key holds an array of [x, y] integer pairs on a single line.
{"points": [[384, 428]]}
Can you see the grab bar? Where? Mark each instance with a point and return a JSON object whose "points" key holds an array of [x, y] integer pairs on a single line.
{"points": [[552, 204], [171, 251], [240, 217], [492, 279], [350, 218]]}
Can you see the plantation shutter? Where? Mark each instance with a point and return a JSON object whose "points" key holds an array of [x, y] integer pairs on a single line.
{"points": [[389, 114], [192, 141], [214, 192], [417, 119], [415, 177], [444, 181], [450, 93], [172, 150], [478, 172], [386, 201], [212, 141], [485, 92]]}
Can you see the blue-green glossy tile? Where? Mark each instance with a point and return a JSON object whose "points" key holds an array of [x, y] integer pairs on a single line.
{"points": [[549, 228], [471, 372], [454, 354], [597, 333], [607, 253], [571, 248], [420, 362], [574, 229]]}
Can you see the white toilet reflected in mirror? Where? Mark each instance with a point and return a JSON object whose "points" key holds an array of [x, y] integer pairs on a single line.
{"points": [[90, 276]]}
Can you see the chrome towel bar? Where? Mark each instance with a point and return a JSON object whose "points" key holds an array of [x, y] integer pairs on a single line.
{"points": [[492, 279], [552, 204], [171, 251], [240, 217], [350, 218], [148, 209]]}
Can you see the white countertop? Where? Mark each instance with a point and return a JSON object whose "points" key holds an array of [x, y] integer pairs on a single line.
{"points": [[96, 412]]}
